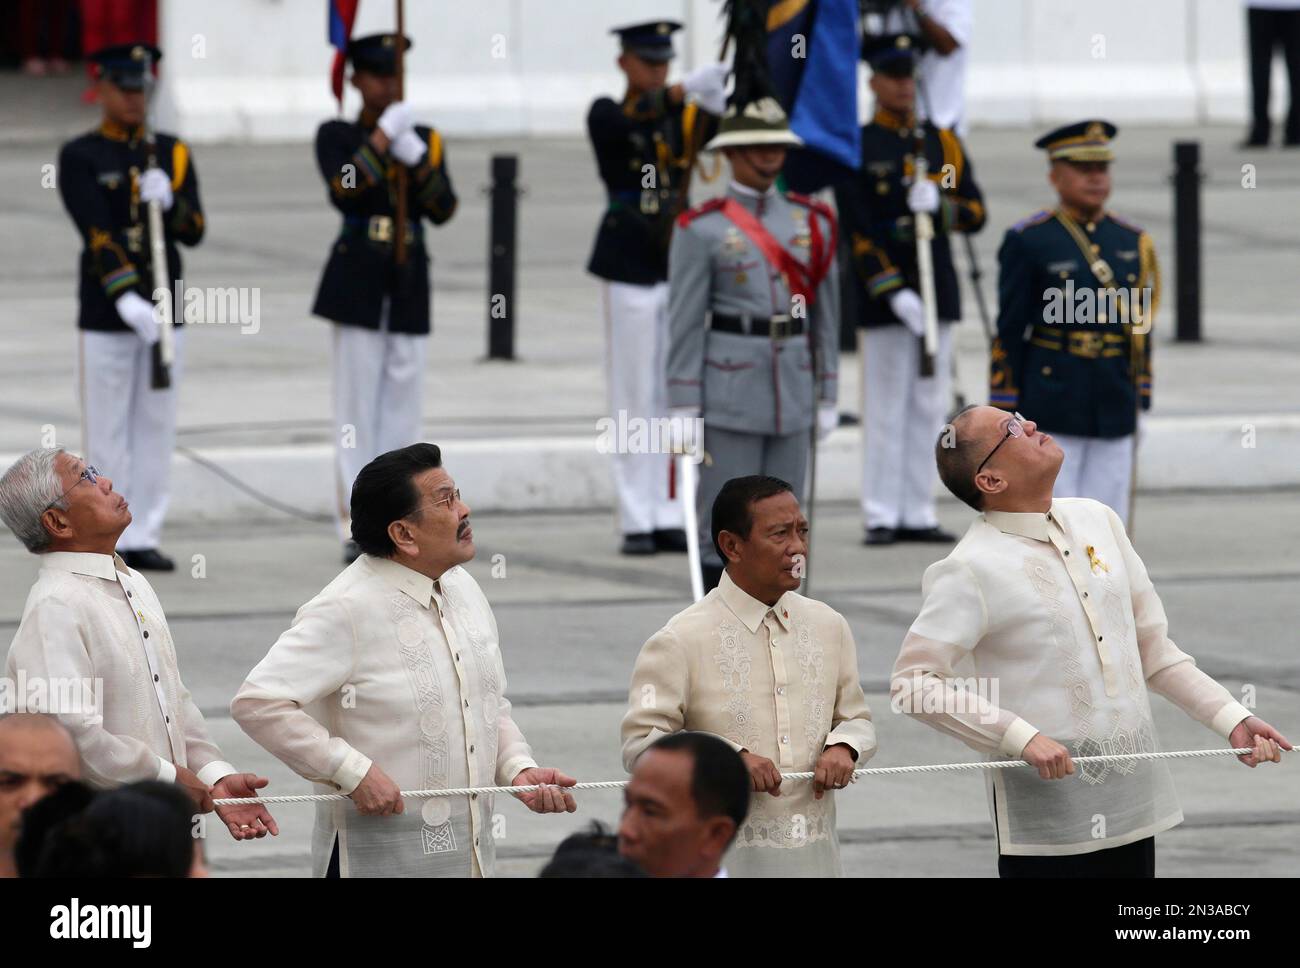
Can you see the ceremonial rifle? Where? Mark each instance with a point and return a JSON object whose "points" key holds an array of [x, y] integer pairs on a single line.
{"points": [[165, 349]]}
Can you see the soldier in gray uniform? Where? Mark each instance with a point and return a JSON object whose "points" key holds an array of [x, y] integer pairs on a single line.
{"points": [[752, 293]]}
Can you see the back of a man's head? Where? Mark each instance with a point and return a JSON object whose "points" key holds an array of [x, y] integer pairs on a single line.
{"points": [[957, 454], [590, 853], [27, 488]]}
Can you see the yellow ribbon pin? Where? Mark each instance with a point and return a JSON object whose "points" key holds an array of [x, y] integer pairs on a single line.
{"points": [[1094, 561]]}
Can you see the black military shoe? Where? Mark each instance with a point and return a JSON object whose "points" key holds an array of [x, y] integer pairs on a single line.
{"points": [[147, 559], [671, 539], [638, 544], [935, 535], [351, 552], [880, 536]]}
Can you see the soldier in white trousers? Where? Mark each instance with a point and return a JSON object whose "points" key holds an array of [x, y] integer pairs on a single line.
{"points": [[379, 306], [107, 180], [643, 147]]}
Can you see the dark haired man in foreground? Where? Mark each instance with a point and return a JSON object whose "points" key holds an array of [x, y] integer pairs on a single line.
{"points": [[772, 673], [1068, 638], [391, 679], [687, 798]]}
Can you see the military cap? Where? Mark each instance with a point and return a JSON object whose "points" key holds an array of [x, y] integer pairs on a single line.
{"points": [[892, 54], [125, 64], [1081, 141], [652, 41], [759, 122], [376, 53]]}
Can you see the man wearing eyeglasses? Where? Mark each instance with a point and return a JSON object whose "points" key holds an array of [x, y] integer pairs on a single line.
{"points": [[94, 634], [1068, 638], [391, 679]]}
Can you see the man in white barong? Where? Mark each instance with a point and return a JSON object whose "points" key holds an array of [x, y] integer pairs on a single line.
{"points": [[772, 673], [94, 634], [391, 679], [1051, 605]]}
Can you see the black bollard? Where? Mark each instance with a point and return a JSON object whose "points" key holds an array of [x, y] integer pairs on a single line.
{"points": [[501, 258], [1187, 240]]}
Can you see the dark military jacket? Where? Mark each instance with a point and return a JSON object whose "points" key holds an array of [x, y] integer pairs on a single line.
{"points": [[361, 269], [99, 181], [632, 240], [875, 219], [1070, 354]]}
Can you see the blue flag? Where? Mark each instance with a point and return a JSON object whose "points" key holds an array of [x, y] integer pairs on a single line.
{"points": [[812, 56]]}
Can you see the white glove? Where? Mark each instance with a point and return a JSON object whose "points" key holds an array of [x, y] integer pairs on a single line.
{"points": [[709, 85], [923, 196], [395, 119], [156, 186], [908, 307], [408, 148], [137, 312], [828, 418], [686, 431]]}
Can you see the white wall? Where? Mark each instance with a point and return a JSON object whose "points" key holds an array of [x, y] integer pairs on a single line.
{"points": [[257, 70]]}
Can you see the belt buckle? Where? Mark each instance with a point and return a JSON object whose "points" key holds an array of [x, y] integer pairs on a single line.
{"points": [[379, 229], [1086, 344], [780, 327], [1102, 270]]}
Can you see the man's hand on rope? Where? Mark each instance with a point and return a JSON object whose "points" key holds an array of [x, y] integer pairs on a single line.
{"points": [[377, 795], [764, 777], [249, 820], [834, 769], [1253, 731], [1048, 757], [550, 798]]}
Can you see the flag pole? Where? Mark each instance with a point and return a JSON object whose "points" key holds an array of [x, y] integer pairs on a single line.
{"points": [[399, 217]]}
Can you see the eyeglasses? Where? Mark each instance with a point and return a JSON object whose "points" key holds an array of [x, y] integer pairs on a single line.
{"points": [[1015, 428], [450, 499], [90, 474]]}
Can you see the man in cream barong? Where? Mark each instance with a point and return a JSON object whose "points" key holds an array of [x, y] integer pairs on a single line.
{"points": [[1047, 599], [770, 672], [391, 679]]}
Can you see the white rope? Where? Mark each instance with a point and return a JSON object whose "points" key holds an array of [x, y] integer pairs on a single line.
{"points": [[806, 775]]}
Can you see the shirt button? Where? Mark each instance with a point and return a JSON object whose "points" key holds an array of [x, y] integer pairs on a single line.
{"points": [[1085, 594], [1099, 638], [475, 841], [167, 718], [1067, 552], [471, 748], [780, 690], [785, 739], [128, 594], [155, 678], [467, 704], [146, 634], [473, 796]]}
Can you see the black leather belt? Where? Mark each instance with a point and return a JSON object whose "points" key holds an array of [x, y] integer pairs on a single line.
{"points": [[777, 327]]}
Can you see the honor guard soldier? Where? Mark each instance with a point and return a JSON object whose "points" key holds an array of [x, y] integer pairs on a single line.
{"points": [[904, 411], [1078, 289], [645, 145], [107, 180], [752, 304], [380, 308]]}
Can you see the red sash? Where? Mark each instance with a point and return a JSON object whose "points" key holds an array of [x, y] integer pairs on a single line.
{"points": [[801, 279]]}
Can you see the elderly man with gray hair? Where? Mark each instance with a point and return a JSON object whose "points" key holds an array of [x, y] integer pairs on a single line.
{"points": [[90, 619]]}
